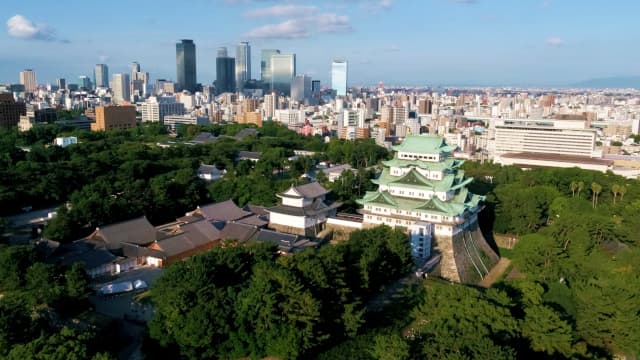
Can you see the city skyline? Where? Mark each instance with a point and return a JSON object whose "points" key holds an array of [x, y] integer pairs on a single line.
{"points": [[401, 42]]}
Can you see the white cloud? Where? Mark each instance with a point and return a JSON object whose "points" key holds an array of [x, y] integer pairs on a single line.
{"points": [[302, 27], [282, 11], [554, 41], [20, 27]]}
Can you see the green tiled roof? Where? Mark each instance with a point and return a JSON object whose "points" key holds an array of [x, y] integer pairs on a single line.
{"points": [[448, 163], [433, 205], [425, 144]]}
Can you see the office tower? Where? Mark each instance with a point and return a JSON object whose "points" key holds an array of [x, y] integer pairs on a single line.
{"points": [[225, 72], [186, 65], [121, 88], [243, 64], [114, 117], [339, 77], [85, 82], [315, 87], [62, 83], [101, 75], [139, 80], [10, 110], [265, 66], [301, 88], [28, 79], [424, 106], [283, 70]]}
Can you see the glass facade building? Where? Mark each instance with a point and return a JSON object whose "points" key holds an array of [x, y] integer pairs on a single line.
{"points": [[186, 65], [225, 72], [243, 64], [265, 66], [339, 77], [283, 70], [101, 75]]}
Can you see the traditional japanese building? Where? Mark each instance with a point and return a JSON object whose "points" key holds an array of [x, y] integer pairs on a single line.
{"points": [[423, 190], [303, 211]]}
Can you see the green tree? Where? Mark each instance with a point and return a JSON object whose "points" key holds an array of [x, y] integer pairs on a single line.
{"points": [[595, 189], [390, 347]]}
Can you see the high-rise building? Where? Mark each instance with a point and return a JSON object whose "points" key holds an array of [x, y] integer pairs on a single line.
{"points": [[139, 80], [62, 83], [243, 64], [225, 72], [283, 70], [301, 88], [315, 87], [10, 110], [339, 77], [186, 65], [84, 82], [265, 66], [28, 79], [101, 75], [269, 105], [121, 88]]}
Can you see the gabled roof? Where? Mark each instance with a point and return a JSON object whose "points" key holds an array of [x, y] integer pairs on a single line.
{"points": [[136, 231], [237, 231], [311, 190], [83, 252], [204, 137], [246, 132], [223, 211], [413, 177], [192, 236], [427, 144], [249, 155], [207, 169]]}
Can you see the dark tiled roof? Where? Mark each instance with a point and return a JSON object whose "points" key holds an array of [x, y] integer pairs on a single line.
{"points": [[237, 231], [251, 155], [137, 231], [207, 169], [201, 232], [83, 252], [224, 211], [253, 220], [311, 190], [204, 137], [317, 207], [256, 209], [246, 132]]}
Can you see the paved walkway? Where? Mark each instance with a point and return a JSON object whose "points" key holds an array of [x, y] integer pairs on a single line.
{"points": [[495, 273]]}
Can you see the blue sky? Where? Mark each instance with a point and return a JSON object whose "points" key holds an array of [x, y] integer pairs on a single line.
{"points": [[413, 42]]}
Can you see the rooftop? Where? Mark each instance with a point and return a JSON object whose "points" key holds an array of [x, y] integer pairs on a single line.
{"points": [[427, 144]]}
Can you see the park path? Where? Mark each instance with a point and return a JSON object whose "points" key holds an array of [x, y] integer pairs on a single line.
{"points": [[495, 273]]}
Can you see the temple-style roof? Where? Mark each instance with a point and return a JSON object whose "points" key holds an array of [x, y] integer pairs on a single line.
{"points": [[413, 179], [317, 207], [310, 191], [136, 231], [433, 205], [223, 211], [448, 163], [425, 144]]}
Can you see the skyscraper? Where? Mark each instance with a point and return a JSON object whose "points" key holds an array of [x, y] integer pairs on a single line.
{"points": [[265, 66], [121, 88], [139, 80], [339, 77], [243, 64], [225, 72], [85, 82], [301, 88], [101, 75], [283, 70], [28, 79], [186, 65], [62, 83]]}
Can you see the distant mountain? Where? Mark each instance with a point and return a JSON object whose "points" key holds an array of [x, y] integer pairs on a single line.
{"points": [[617, 82]]}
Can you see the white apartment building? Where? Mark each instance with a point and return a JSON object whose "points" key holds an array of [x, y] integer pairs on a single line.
{"points": [[156, 108]]}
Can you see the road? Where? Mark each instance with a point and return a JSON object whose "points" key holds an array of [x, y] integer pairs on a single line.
{"points": [[495, 273]]}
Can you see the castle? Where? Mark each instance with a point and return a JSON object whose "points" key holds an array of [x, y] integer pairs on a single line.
{"points": [[423, 190]]}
